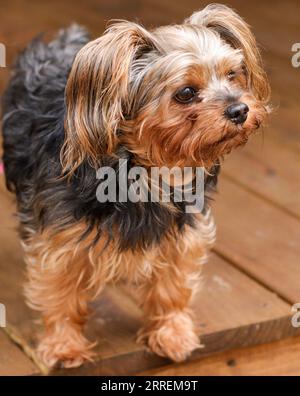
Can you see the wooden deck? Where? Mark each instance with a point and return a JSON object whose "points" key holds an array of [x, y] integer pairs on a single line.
{"points": [[253, 276]]}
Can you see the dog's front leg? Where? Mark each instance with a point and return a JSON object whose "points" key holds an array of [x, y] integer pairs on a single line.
{"points": [[57, 287], [169, 329]]}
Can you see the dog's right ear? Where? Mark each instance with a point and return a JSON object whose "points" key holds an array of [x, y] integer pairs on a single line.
{"points": [[97, 93]]}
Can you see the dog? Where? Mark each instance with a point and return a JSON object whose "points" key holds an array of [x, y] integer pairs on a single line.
{"points": [[180, 95]]}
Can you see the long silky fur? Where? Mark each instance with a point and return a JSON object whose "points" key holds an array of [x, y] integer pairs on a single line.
{"points": [[33, 129]]}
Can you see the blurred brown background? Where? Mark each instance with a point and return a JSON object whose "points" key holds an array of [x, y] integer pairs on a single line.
{"points": [[253, 276]]}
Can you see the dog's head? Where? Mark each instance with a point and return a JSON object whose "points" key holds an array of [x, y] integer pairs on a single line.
{"points": [[179, 95]]}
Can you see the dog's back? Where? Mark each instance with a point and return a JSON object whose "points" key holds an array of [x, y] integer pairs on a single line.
{"points": [[33, 106]]}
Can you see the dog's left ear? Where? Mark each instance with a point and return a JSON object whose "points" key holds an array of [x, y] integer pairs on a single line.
{"points": [[235, 31], [97, 93]]}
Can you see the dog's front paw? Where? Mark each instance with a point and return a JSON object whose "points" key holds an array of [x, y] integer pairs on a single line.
{"points": [[173, 337], [67, 352]]}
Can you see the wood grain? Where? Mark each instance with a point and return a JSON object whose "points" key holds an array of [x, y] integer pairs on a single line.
{"points": [[273, 359], [269, 170], [259, 238], [231, 311], [12, 360]]}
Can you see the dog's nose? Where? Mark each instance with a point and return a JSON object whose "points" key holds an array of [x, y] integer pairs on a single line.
{"points": [[237, 112]]}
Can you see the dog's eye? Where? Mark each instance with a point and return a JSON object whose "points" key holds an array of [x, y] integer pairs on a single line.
{"points": [[186, 95], [231, 75]]}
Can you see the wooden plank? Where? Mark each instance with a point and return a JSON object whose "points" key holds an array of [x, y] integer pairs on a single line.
{"points": [[259, 238], [274, 359], [12, 360], [232, 310], [273, 248], [269, 170]]}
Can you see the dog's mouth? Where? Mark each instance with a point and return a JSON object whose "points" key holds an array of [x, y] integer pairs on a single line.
{"points": [[240, 130], [227, 137]]}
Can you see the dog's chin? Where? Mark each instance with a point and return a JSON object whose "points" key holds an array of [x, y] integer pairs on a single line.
{"points": [[227, 137], [210, 153], [237, 135]]}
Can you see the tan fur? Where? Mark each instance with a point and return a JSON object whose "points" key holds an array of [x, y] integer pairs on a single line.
{"points": [[64, 275], [102, 64], [100, 93]]}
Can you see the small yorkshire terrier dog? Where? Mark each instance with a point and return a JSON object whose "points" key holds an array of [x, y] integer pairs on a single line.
{"points": [[179, 95]]}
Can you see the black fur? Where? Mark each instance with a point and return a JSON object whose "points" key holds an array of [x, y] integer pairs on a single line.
{"points": [[33, 130]]}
